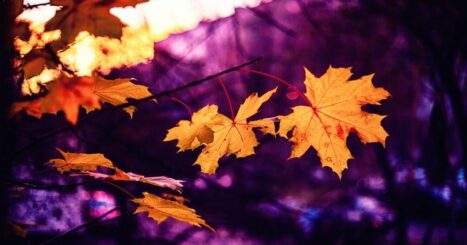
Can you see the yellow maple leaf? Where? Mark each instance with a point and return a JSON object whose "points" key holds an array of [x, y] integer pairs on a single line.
{"points": [[235, 136], [117, 91], [333, 112], [80, 161], [192, 134], [160, 209], [92, 16]]}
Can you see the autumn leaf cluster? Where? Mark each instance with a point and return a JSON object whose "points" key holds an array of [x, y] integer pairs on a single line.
{"points": [[331, 109], [65, 89]]}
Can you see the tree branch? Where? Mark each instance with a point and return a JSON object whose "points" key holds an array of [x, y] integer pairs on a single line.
{"points": [[132, 103], [31, 6], [32, 185]]}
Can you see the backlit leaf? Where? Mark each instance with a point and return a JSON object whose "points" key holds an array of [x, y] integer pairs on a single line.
{"points": [[160, 209], [191, 134], [116, 92], [235, 136], [92, 16], [36, 61], [80, 161], [66, 94], [228, 136], [334, 112]]}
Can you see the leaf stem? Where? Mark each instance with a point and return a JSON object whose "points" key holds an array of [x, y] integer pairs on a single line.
{"points": [[189, 110], [227, 96], [280, 80], [119, 188]]}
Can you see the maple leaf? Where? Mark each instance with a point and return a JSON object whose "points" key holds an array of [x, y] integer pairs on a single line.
{"points": [[36, 61], [159, 181], [333, 112], [176, 198], [66, 94], [160, 209], [192, 134], [235, 136], [21, 30], [116, 92], [80, 161], [92, 16]]}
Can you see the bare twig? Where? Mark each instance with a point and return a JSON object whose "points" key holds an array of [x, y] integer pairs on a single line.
{"points": [[271, 21], [32, 185], [31, 6]]}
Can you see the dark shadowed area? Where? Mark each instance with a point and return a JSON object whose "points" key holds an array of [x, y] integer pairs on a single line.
{"points": [[413, 191]]}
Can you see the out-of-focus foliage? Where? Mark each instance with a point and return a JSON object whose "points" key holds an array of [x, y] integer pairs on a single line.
{"points": [[92, 16]]}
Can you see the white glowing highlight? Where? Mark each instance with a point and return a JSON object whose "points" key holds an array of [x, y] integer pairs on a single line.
{"points": [[147, 23]]}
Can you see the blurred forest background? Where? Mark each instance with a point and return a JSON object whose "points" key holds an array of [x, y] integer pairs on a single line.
{"points": [[411, 192]]}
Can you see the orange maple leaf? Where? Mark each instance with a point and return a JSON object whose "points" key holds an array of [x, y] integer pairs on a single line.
{"points": [[66, 94], [333, 112]]}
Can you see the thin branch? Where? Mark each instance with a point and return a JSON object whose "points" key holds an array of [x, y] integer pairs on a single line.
{"points": [[79, 226], [309, 17], [271, 21], [56, 59], [32, 185], [31, 6], [132, 103]]}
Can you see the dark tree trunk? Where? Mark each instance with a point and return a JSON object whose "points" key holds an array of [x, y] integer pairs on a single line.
{"points": [[7, 95]]}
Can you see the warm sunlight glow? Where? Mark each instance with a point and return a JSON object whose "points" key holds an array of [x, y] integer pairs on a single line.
{"points": [[38, 38], [33, 85], [147, 23], [92, 53]]}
